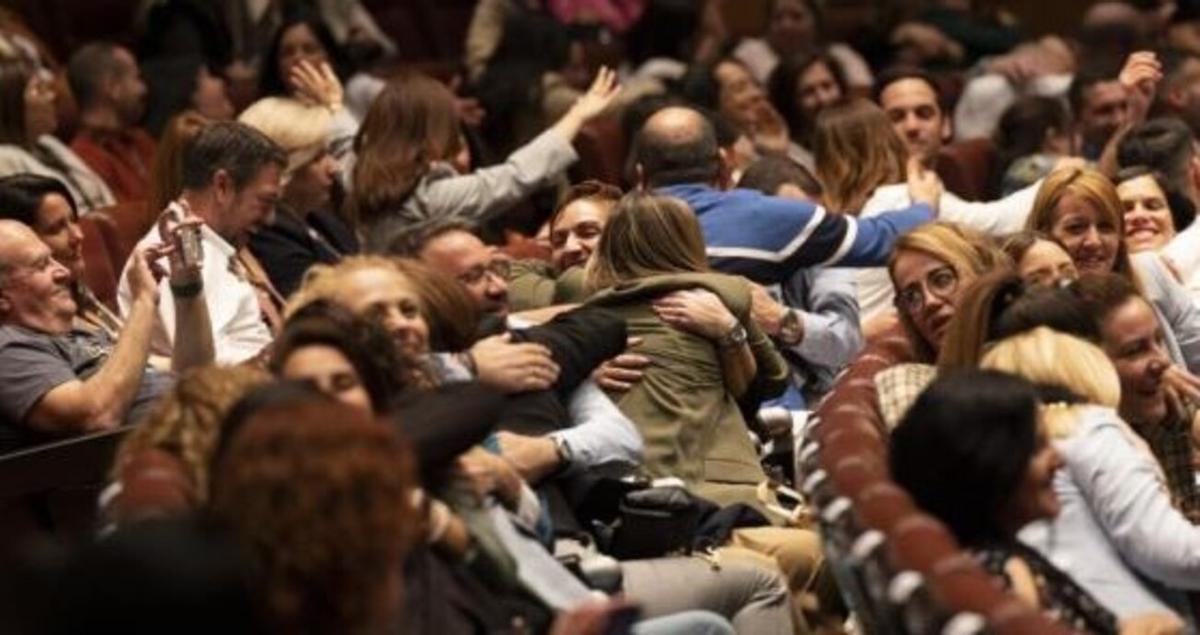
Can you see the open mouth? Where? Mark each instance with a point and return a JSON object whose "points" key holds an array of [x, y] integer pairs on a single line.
{"points": [[1093, 263]]}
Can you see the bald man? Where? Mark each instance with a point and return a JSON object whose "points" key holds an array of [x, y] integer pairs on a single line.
{"points": [[55, 379], [765, 238]]}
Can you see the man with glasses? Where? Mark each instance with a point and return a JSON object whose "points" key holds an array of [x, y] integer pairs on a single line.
{"points": [[580, 427], [482, 269]]}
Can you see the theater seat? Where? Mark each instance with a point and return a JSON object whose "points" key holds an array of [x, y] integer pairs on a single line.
{"points": [[131, 221], [98, 273], [966, 168], [51, 489]]}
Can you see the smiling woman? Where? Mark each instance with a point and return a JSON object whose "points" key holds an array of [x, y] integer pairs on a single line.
{"points": [[1154, 212], [1080, 209]]}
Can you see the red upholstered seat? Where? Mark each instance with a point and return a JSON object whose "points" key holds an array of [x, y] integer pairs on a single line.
{"points": [[966, 168], [98, 273]]}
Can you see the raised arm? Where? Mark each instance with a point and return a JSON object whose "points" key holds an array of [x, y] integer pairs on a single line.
{"points": [[492, 190], [101, 401]]}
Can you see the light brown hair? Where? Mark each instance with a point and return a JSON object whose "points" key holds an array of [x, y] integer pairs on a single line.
{"points": [[166, 175], [186, 420], [968, 252], [646, 235], [449, 312], [411, 124], [322, 498], [856, 150], [1091, 186]]}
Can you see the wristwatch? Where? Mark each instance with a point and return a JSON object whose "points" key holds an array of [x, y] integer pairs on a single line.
{"points": [[566, 455], [791, 331], [734, 338]]}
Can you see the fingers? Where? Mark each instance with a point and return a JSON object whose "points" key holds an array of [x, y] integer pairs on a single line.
{"points": [[914, 168], [616, 379], [629, 361]]}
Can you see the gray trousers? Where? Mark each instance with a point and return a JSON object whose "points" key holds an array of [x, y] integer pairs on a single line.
{"points": [[752, 596]]}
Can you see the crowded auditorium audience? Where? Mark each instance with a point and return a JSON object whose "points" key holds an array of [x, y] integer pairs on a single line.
{"points": [[600, 317]]}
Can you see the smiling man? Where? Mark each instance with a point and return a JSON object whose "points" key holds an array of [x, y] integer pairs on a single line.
{"points": [[231, 182], [56, 379]]}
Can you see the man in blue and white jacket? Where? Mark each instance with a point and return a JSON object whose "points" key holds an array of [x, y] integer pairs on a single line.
{"points": [[764, 238]]}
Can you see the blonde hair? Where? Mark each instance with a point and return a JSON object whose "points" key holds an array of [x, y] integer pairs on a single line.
{"points": [[1045, 356], [302, 130], [646, 235], [856, 150], [969, 253], [186, 420], [449, 312], [1091, 186], [325, 282]]}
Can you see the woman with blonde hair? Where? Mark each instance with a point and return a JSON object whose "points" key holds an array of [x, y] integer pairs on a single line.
{"points": [[162, 467], [306, 229], [1117, 527], [861, 163], [930, 267], [1079, 208]]}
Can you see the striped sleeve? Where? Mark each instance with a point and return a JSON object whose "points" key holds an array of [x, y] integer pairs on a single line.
{"points": [[821, 239]]}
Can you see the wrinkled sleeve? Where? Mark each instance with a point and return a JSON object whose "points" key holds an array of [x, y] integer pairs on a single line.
{"points": [[1131, 503]]}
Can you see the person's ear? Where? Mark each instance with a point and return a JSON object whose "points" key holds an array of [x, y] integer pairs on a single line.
{"points": [[639, 176], [222, 186], [5, 302], [947, 128]]}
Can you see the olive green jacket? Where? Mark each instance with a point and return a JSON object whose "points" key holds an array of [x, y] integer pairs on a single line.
{"points": [[691, 423], [533, 284]]}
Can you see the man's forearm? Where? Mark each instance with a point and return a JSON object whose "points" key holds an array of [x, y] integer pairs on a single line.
{"points": [[113, 387], [193, 334]]}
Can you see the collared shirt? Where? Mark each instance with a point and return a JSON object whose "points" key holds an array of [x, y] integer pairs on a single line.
{"points": [[238, 329], [827, 304], [121, 157], [1116, 519]]}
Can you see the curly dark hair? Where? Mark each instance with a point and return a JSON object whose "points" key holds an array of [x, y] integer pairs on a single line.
{"points": [[321, 496], [384, 370]]}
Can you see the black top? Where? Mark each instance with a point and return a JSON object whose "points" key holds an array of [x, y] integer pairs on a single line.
{"points": [[290, 245], [1061, 598]]}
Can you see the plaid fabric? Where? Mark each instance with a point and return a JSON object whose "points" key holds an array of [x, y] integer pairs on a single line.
{"points": [[899, 387], [1171, 443]]}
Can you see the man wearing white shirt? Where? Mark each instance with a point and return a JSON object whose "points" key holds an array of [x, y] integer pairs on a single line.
{"points": [[231, 182], [911, 101]]}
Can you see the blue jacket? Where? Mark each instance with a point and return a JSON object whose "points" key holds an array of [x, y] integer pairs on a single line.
{"points": [[768, 238]]}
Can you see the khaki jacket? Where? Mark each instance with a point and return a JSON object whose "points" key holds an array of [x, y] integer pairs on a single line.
{"points": [[692, 426]]}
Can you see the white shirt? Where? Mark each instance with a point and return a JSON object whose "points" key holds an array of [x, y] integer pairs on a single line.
{"points": [[985, 98], [1184, 254], [761, 59], [996, 218], [239, 332]]}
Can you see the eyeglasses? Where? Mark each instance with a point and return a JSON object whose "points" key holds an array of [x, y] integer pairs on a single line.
{"points": [[941, 283], [499, 267]]}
